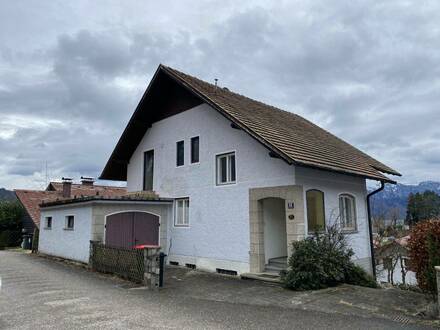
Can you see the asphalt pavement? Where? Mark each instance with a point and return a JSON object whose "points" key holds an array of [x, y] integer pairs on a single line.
{"points": [[39, 293]]}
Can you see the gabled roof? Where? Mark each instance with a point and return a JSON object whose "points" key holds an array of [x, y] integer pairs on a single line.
{"points": [[289, 136], [31, 199]]}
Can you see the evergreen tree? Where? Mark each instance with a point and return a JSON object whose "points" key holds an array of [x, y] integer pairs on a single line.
{"points": [[422, 206]]}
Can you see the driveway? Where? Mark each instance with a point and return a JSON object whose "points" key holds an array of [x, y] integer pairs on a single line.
{"points": [[38, 293]]}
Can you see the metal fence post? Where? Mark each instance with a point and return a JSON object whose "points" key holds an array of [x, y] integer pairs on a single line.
{"points": [[437, 270], [161, 268], [91, 254]]}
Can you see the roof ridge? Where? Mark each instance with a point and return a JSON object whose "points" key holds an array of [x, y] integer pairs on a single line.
{"points": [[375, 164], [292, 137], [227, 90]]}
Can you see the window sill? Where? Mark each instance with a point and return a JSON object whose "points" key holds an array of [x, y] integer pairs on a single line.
{"points": [[69, 229], [47, 228], [226, 184], [181, 226]]}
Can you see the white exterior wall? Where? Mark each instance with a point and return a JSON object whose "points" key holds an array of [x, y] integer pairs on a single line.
{"points": [[69, 244], [334, 184], [218, 235]]}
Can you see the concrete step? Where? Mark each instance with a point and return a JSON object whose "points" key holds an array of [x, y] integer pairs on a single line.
{"points": [[274, 268], [266, 277], [279, 262]]}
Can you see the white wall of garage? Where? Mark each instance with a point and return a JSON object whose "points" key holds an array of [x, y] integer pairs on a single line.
{"points": [[61, 242]]}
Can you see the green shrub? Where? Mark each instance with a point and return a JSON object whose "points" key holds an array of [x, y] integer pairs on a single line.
{"points": [[10, 224], [322, 261]]}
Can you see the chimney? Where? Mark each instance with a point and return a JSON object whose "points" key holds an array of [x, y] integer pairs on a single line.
{"points": [[67, 187], [86, 181]]}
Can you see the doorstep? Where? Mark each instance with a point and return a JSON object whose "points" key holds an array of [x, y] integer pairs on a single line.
{"points": [[265, 277]]}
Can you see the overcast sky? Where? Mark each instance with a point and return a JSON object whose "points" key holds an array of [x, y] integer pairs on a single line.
{"points": [[72, 72]]}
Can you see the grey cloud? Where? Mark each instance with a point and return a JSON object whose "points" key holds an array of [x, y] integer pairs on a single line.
{"points": [[366, 71]]}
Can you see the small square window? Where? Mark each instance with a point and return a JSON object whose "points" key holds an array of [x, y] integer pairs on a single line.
{"points": [[181, 218], [226, 169], [48, 223], [195, 150], [180, 153], [70, 222]]}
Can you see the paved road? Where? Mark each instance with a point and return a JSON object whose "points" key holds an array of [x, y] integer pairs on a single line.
{"points": [[37, 293]]}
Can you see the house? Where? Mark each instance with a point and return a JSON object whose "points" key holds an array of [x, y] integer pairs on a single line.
{"points": [[31, 199], [233, 182]]}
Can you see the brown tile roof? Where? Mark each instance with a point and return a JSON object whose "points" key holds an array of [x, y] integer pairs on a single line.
{"points": [[124, 198], [293, 138], [84, 190], [31, 199]]}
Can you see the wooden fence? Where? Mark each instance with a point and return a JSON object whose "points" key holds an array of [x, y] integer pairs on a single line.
{"points": [[124, 262]]}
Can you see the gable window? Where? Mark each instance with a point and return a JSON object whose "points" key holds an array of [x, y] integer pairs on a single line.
{"points": [[180, 153], [48, 223], [347, 212], [315, 210], [226, 168], [70, 222], [181, 218], [148, 170], [194, 150]]}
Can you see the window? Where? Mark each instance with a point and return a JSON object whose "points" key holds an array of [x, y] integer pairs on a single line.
{"points": [[347, 212], [70, 222], [194, 150], [148, 170], [315, 211], [48, 223], [181, 218], [180, 153], [226, 168]]}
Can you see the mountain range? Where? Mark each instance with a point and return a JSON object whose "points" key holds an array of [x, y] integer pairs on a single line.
{"points": [[396, 196]]}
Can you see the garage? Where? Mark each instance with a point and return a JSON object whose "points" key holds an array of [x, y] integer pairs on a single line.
{"points": [[130, 229], [125, 221]]}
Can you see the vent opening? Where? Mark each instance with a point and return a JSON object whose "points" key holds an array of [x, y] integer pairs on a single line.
{"points": [[174, 263], [191, 266], [226, 271]]}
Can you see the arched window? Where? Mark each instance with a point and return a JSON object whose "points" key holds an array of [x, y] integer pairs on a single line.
{"points": [[315, 210], [347, 211]]}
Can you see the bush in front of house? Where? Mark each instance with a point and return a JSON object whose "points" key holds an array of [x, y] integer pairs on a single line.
{"points": [[322, 261], [424, 253]]}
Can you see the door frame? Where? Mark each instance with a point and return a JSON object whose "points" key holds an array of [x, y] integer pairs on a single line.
{"points": [[128, 211]]}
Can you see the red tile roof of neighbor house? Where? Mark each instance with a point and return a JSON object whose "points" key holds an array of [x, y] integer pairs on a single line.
{"points": [[31, 199], [289, 136]]}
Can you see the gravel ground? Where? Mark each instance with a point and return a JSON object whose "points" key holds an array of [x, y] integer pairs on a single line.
{"points": [[39, 293]]}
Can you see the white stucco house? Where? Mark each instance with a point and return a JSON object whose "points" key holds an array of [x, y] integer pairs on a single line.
{"points": [[235, 181]]}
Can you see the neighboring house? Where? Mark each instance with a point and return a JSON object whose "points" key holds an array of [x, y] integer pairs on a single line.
{"points": [[238, 181], [31, 199]]}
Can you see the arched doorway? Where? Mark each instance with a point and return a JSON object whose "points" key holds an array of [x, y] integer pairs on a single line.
{"points": [[129, 229]]}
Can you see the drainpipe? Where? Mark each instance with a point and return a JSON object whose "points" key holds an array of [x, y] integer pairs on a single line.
{"points": [[373, 262]]}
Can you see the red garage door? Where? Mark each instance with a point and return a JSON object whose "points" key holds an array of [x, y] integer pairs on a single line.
{"points": [[129, 229]]}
